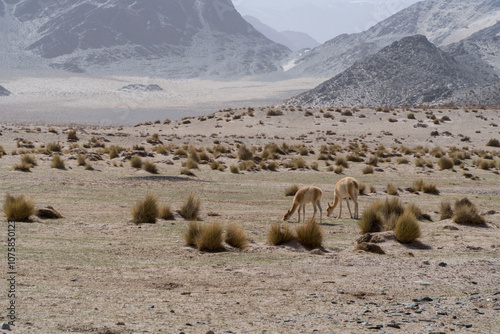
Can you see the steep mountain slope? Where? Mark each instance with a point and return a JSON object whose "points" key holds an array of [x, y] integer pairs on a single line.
{"points": [[481, 50], [443, 22], [179, 38], [4, 91], [408, 72], [295, 41]]}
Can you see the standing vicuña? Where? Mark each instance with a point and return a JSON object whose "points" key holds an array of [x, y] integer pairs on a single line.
{"points": [[309, 194], [346, 188]]}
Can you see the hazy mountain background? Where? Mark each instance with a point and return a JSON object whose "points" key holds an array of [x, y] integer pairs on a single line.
{"points": [[172, 38], [294, 40], [321, 19]]}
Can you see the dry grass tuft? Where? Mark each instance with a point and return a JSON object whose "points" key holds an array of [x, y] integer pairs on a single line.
{"points": [[192, 233], [445, 163], [236, 236], [18, 208], [146, 211], [310, 234], [368, 170], [136, 162], [430, 188], [210, 238], [57, 162], [292, 190], [466, 213], [191, 208], [280, 234], [407, 227], [150, 167], [244, 153], [371, 220], [445, 210], [392, 190], [166, 212]]}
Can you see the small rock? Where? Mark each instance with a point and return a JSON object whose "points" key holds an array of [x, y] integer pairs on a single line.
{"points": [[6, 326], [426, 262], [74, 279], [48, 213], [451, 228], [372, 248], [210, 332], [442, 264], [423, 299], [120, 323]]}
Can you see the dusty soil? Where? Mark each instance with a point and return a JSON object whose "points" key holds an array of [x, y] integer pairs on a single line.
{"points": [[96, 272]]}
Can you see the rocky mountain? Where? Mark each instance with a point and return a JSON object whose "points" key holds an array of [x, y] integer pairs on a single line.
{"points": [[3, 90], [443, 22], [411, 71], [174, 38], [294, 40]]}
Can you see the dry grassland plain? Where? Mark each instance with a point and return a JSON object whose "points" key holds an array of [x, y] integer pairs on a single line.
{"points": [[95, 271]]}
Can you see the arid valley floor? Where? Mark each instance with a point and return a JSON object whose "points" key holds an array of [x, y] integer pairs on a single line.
{"points": [[94, 271]]}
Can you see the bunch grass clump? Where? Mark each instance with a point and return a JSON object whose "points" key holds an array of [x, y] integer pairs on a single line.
{"points": [[146, 211], [445, 210], [190, 210], [407, 228], [192, 233], [292, 190], [445, 163], [210, 237], [244, 153], [136, 162], [280, 233], [310, 234], [236, 236], [166, 212], [150, 167], [392, 190], [466, 213], [57, 162], [18, 208]]}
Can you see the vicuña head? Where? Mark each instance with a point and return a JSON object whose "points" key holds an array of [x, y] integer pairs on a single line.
{"points": [[345, 188], [309, 194]]}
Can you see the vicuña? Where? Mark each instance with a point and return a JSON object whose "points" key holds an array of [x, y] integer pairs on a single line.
{"points": [[345, 188], [309, 194]]}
